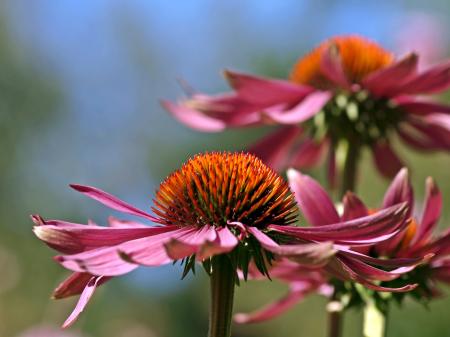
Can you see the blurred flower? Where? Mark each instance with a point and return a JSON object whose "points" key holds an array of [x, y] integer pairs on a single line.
{"points": [[348, 91], [217, 203], [415, 241]]}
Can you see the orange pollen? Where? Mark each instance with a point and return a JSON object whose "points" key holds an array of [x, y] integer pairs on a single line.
{"points": [[215, 188], [409, 234], [359, 57]]}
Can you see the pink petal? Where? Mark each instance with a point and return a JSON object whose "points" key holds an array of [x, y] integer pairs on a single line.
{"points": [[193, 118], [310, 254], [423, 108], [111, 201], [272, 310], [303, 111], [382, 262], [83, 301], [332, 68], [274, 148], [312, 199], [75, 284], [225, 242], [309, 154], [76, 238], [119, 223], [400, 190], [419, 141], [362, 231], [434, 80], [266, 91], [431, 212], [353, 207], [386, 160], [189, 242], [435, 127], [385, 81]]}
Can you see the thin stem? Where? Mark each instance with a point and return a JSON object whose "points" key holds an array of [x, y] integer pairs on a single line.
{"points": [[350, 167], [222, 292], [374, 324], [334, 309]]}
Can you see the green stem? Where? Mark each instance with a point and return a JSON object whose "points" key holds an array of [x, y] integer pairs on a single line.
{"points": [[334, 309], [374, 324], [350, 167], [222, 279]]}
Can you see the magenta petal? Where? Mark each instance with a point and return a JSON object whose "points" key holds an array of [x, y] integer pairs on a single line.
{"points": [[296, 294], [76, 238], [268, 92], [75, 284], [111, 201], [386, 160], [362, 231], [353, 207], [309, 154], [423, 108], [274, 148], [312, 199], [189, 242], [83, 301], [384, 82], [390, 263], [400, 190], [434, 80], [193, 118], [431, 212], [421, 141], [332, 68], [303, 111]]}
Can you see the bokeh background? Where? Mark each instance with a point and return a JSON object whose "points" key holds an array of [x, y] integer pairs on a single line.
{"points": [[79, 88]]}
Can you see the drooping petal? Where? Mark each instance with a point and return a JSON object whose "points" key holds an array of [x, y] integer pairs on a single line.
{"points": [[386, 160], [190, 242], [297, 291], [193, 118], [431, 212], [435, 127], [76, 238], [83, 301], [307, 108], [423, 108], [418, 139], [274, 148], [353, 207], [75, 284], [111, 201], [310, 254], [373, 228], [384, 82], [266, 91], [224, 243], [312, 199]]}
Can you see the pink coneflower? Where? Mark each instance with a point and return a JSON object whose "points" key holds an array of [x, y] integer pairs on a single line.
{"points": [[227, 206], [346, 94], [415, 241]]}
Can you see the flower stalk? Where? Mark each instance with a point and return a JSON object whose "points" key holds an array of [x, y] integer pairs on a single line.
{"points": [[222, 279], [335, 315], [374, 324], [350, 153]]}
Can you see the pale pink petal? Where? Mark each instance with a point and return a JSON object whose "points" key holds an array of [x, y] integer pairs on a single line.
{"points": [[274, 148], [83, 301], [384, 82], [193, 118], [190, 242], [111, 201], [225, 242], [303, 111], [312, 199], [386, 160], [266, 91]]}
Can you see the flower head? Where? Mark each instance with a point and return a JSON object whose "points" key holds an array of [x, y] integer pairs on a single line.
{"points": [[217, 203], [348, 90], [414, 241]]}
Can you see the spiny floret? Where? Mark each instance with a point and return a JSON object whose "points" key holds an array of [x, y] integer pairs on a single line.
{"points": [[359, 57], [220, 187]]}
